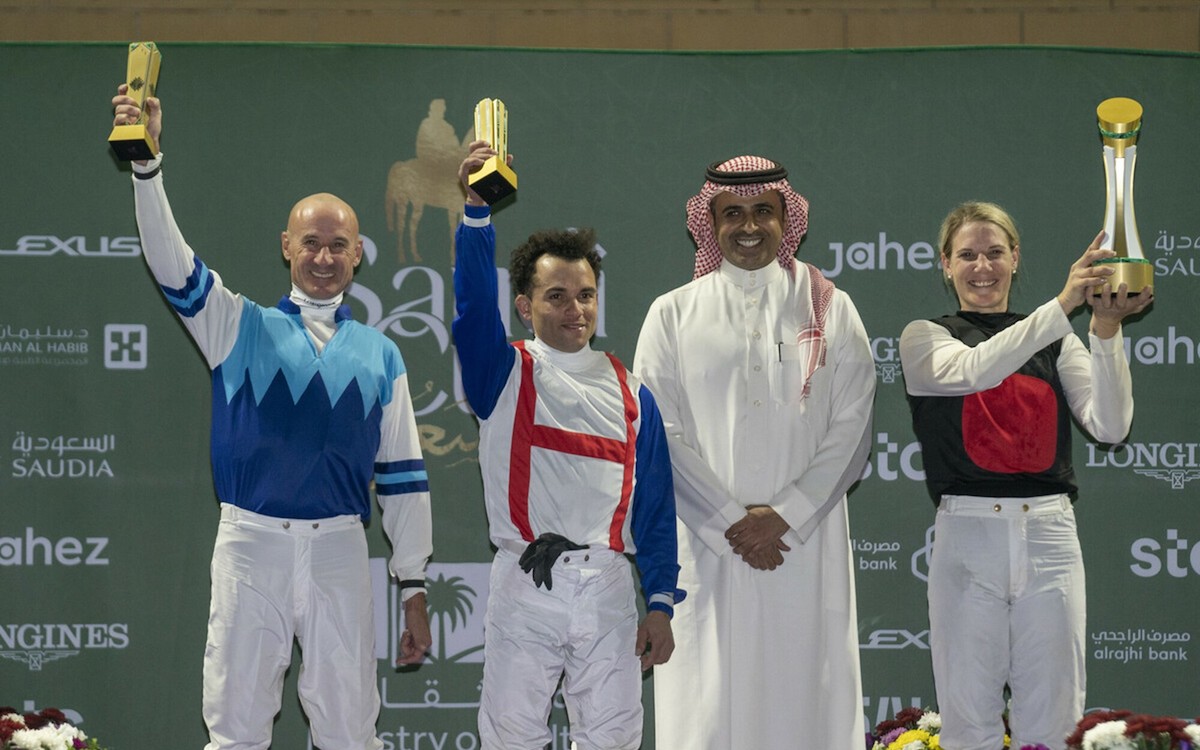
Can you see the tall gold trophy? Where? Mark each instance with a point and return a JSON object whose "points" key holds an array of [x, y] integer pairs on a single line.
{"points": [[495, 180], [132, 142], [1120, 122]]}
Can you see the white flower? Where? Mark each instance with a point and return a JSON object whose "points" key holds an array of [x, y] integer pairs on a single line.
{"points": [[930, 721], [1109, 735], [46, 738], [1193, 733]]}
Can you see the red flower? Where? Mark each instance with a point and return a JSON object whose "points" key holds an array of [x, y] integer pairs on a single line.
{"points": [[54, 716], [35, 721], [7, 727], [906, 718], [1156, 726]]}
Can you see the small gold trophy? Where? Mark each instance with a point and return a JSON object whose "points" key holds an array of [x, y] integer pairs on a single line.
{"points": [[1120, 122], [495, 180], [132, 142]]}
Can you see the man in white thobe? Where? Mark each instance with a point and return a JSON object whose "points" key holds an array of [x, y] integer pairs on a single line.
{"points": [[765, 380]]}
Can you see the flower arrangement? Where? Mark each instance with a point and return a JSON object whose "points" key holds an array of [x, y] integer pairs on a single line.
{"points": [[47, 729], [912, 729], [1125, 730]]}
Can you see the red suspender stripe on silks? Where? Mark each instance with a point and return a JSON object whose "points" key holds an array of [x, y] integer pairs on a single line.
{"points": [[527, 435]]}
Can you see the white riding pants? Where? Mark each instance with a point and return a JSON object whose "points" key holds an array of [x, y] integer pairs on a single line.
{"points": [[1007, 605], [583, 630], [275, 579]]}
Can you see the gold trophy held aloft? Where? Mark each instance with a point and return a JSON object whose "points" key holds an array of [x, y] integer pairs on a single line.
{"points": [[495, 180], [1120, 123], [132, 142]]}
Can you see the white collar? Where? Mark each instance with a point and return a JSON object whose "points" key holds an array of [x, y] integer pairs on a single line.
{"points": [[309, 307], [569, 361], [759, 277]]}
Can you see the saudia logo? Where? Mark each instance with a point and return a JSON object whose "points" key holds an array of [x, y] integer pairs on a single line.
{"points": [[37, 644], [878, 256], [1177, 464], [41, 245], [1170, 264]]}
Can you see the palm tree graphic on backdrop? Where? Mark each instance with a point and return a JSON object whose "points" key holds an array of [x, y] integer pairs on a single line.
{"points": [[451, 600]]}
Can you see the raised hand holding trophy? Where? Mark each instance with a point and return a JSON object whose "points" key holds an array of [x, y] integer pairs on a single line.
{"points": [[1120, 123], [132, 142], [495, 180]]}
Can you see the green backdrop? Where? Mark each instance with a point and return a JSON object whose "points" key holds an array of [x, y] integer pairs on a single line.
{"points": [[107, 513]]}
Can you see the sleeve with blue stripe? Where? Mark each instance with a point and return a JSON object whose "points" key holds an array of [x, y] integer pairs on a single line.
{"points": [[210, 312], [402, 490], [653, 524], [483, 349]]}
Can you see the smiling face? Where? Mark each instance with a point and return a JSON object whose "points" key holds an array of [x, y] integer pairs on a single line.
{"points": [[322, 246], [749, 230], [980, 262], [561, 303]]}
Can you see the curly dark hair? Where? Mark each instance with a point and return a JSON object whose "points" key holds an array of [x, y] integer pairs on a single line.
{"points": [[569, 244]]}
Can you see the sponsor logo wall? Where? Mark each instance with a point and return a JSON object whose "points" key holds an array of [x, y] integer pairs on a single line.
{"points": [[108, 507]]}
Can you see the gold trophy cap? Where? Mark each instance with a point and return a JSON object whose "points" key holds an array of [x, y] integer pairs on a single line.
{"points": [[1119, 120]]}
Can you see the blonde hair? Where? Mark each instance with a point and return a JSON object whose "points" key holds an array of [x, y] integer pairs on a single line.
{"points": [[970, 211]]}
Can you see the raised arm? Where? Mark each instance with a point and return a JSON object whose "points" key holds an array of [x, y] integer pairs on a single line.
{"points": [[482, 346], [210, 312]]}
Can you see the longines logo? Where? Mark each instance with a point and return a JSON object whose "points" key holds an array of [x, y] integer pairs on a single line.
{"points": [[38, 644], [885, 352], [41, 245], [1177, 464]]}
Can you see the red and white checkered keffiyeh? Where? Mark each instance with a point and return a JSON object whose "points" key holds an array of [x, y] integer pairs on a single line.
{"points": [[735, 176], [739, 176]]}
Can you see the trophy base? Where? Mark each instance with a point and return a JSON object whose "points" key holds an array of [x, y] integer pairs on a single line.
{"points": [[1136, 273], [494, 181], [132, 143]]}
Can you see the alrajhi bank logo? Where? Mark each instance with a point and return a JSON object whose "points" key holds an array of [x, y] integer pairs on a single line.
{"points": [[1175, 556], [1176, 463], [884, 255]]}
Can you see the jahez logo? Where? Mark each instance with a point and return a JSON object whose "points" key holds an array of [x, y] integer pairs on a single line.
{"points": [[29, 550]]}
